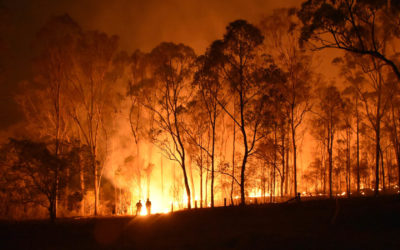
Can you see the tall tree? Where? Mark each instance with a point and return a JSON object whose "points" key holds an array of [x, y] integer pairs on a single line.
{"points": [[329, 113], [173, 73], [359, 27], [282, 32], [34, 174], [44, 101], [238, 61], [376, 90], [209, 88], [393, 123], [90, 95]]}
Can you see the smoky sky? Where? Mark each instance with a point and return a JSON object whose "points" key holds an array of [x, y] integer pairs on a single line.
{"points": [[140, 24]]}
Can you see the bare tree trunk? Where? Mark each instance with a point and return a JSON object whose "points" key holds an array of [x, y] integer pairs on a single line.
{"points": [[96, 187], [294, 156], [348, 162], [330, 152], [242, 177], [191, 177], [212, 162], [82, 184], [378, 146], [383, 169], [358, 147], [206, 194], [201, 178], [377, 162], [275, 160], [233, 157], [287, 172], [283, 160], [270, 183], [263, 180], [396, 144], [186, 183], [246, 149]]}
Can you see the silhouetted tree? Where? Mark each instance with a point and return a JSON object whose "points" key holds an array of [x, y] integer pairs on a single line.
{"points": [[90, 93], [33, 174], [329, 113], [209, 88], [238, 60], [282, 32], [173, 73], [375, 91], [44, 101], [359, 27]]}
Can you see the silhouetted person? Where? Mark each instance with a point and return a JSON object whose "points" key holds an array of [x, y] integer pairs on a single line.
{"points": [[298, 197], [138, 208], [294, 199], [148, 206]]}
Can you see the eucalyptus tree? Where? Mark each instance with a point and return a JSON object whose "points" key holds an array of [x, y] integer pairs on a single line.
{"points": [[171, 93], [375, 89], [359, 27], [329, 113], [347, 128], [393, 124], [90, 96], [198, 139], [282, 31], [353, 103], [247, 75], [44, 99], [209, 91]]}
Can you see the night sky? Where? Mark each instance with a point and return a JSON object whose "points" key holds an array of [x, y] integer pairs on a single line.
{"points": [[139, 24]]}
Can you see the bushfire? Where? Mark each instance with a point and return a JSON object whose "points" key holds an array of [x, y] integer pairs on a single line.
{"points": [[262, 114]]}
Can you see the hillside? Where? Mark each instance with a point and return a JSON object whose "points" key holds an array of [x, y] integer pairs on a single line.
{"points": [[361, 223]]}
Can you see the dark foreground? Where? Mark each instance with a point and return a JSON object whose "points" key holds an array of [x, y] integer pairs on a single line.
{"points": [[361, 223]]}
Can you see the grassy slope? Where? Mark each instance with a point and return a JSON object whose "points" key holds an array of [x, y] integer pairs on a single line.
{"points": [[362, 223]]}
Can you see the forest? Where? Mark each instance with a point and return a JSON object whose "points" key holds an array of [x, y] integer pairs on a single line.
{"points": [[251, 120]]}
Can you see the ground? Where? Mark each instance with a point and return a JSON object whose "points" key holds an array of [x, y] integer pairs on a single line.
{"points": [[360, 223]]}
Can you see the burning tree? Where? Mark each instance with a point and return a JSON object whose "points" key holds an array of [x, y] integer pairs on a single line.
{"points": [[329, 113], [90, 94], [282, 32], [44, 100], [171, 93], [246, 74]]}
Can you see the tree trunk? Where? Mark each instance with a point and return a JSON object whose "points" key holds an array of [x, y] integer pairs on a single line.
{"points": [[212, 163], [378, 145], [294, 155], [287, 172], [275, 160], [242, 178], [348, 163], [396, 145], [377, 136], [82, 184], [96, 189], [283, 160], [233, 158], [383, 169], [201, 178], [187, 185], [52, 210], [330, 155], [358, 148], [193, 191]]}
